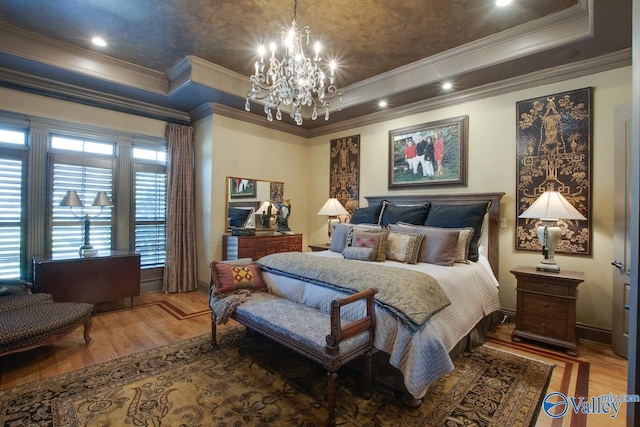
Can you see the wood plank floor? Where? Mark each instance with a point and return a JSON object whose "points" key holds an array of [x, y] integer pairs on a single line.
{"points": [[158, 319]]}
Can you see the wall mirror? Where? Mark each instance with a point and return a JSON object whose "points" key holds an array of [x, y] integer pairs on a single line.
{"points": [[244, 194]]}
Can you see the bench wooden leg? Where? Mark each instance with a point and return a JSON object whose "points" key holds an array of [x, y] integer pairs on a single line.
{"points": [[213, 333], [87, 330], [366, 386], [331, 398]]}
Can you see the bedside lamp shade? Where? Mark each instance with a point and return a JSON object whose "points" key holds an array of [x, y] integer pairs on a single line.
{"points": [[549, 208], [332, 208]]}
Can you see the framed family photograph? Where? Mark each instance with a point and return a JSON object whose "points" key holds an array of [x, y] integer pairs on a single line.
{"points": [[242, 188], [431, 154]]}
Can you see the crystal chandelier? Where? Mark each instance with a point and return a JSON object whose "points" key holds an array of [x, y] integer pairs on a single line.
{"points": [[296, 79]]}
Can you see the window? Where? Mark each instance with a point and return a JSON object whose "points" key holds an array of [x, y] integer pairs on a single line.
{"points": [[11, 208], [85, 146], [86, 177], [150, 193]]}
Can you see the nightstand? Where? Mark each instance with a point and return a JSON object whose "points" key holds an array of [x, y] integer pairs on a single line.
{"points": [[546, 307], [317, 247]]}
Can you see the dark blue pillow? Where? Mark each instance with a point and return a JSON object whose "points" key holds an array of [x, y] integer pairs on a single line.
{"points": [[457, 216], [238, 217], [370, 215], [416, 215]]}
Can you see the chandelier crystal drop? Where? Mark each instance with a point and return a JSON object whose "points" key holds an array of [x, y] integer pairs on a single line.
{"points": [[296, 79]]}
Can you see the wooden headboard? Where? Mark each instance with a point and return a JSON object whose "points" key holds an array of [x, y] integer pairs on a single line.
{"points": [[457, 199]]}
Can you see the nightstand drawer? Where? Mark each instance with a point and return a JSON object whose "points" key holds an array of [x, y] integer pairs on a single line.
{"points": [[550, 328], [544, 287], [545, 307]]}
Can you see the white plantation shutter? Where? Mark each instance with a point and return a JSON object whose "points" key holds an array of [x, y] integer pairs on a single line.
{"points": [[150, 212], [87, 177], [11, 202]]}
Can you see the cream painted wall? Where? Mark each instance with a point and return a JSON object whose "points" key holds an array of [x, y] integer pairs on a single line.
{"points": [[228, 147], [492, 154]]}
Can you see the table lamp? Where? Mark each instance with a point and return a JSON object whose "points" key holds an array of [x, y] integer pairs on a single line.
{"points": [[72, 200], [549, 208], [333, 209]]}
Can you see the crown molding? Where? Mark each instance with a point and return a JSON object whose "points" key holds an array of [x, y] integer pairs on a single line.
{"points": [[619, 59], [71, 93], [210, 108], [34, 47]]}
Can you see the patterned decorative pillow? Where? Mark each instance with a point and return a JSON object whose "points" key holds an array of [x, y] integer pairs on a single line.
{"points": [[460, 216], [377, 240], [404, 247], [440, 246], [228, 277], [464, 238], [360, 254]]}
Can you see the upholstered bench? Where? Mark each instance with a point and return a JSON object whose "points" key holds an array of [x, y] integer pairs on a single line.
{"points": [[30, 320], [304, 329]]}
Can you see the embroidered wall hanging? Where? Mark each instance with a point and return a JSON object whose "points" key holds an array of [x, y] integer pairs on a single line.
{"points": [[554, 152], [344, 174]]}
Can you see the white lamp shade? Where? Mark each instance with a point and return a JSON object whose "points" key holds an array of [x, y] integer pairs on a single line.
{"points": [[263, 207], [333, 207], [552, 205]]}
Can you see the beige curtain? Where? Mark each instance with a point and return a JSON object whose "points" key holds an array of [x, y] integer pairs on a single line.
{"points": [[180, 264]]}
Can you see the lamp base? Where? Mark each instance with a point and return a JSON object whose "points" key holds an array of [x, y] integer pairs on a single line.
{"points": [[87, 251], [542, 266]]}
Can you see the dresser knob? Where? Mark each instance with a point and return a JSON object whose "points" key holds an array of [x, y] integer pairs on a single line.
{"points": [[544, 325], [545, 305]]}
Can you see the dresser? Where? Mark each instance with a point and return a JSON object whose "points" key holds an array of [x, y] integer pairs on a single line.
{"points": [[254, 247], [107, 277], [546, 307]]}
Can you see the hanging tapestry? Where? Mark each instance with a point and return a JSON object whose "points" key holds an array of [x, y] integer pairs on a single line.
{"points": [[344, 174], [554, 153]]}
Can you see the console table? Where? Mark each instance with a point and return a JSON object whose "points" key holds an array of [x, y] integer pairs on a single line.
{"points": [[254, 247], [107, 277]]}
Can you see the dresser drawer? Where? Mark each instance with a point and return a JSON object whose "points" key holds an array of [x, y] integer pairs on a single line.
{"points": [[544, 287], [548, 327], [545, 306], [295, 239]]}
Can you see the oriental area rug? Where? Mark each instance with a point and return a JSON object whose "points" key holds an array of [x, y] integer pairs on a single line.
{"points": [[249, 380]]}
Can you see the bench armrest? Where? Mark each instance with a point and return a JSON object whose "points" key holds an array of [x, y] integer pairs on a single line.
{"points": [[339, 333]]}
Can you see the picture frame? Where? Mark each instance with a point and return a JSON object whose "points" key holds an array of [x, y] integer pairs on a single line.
{"points": [[448, 151], [242, 188]]}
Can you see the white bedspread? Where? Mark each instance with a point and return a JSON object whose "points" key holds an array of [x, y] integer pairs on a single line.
{"points": [[423, 356]]}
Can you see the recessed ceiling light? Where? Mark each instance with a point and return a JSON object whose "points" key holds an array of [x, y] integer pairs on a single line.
{"points": [[98, 41], [501, 3], [447, 85], [382, 104]]}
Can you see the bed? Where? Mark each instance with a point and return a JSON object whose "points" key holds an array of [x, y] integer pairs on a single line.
{"points": [[419, 357]]}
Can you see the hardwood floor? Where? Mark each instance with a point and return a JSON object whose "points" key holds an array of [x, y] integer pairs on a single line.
{"points": [[158, 319]]}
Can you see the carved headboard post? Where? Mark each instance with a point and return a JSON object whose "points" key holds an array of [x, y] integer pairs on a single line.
{"points": [[493, 252]]}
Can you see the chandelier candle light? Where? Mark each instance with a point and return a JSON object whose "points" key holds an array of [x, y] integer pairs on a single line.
{"points": [[296, 79], [72, 200], [549, 208]]}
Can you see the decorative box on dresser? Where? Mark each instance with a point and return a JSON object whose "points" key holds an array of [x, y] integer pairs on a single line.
{"points": [[546, 307], [254, 247]]}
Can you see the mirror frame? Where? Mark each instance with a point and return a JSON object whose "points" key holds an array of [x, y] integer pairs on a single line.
{"points": [[253, 201]]}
